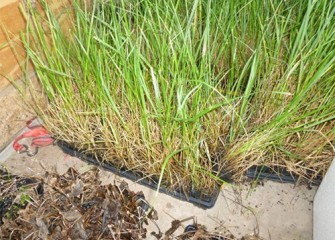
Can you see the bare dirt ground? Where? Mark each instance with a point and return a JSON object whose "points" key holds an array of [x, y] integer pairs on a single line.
{"points": [[273, 210], [13, 114]]}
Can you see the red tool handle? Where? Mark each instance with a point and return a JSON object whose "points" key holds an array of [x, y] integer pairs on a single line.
{"points": [[40, 138]]}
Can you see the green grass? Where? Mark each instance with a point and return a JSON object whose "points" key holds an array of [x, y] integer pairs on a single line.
{"points": [[172, 88]]}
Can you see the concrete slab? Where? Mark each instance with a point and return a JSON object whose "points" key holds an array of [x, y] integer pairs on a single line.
{"points": [[277, 211]]}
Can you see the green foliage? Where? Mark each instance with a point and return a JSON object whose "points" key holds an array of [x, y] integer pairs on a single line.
{"points": [[174, 88]]}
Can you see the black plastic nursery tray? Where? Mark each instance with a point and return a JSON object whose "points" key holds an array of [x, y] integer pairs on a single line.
{"points": [[277, 175], [196, 198]]}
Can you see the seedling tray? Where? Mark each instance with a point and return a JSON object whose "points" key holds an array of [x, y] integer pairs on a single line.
{"points": [[199, 199], [277, 175]]}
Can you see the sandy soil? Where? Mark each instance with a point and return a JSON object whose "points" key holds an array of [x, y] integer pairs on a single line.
{"points": [[13, 114]]}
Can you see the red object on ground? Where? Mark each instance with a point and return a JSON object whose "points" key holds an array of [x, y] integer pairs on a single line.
{"points": [[40, 138]]}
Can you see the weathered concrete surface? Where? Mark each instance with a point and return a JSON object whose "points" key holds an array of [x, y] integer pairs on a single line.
{"points": [[277, 211]]}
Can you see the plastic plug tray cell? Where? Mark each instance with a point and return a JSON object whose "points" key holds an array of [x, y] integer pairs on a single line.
{"points": [[277, 175], [195, 197]]}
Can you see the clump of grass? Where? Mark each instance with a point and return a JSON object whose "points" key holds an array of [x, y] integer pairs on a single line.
{"points": [[175, 89], [290, 110], [135, 85]]}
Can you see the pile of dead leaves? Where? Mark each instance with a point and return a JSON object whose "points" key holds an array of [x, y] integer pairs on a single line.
{"points": [[77, 206], [70, 206]]}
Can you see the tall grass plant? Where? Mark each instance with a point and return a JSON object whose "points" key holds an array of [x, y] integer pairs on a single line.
{"points": [[181, 90]]}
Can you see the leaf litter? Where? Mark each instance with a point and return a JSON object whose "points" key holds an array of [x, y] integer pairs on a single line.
{"points": [[78, 207]]}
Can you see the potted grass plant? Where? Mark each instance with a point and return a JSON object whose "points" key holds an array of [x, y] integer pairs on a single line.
{"points": [[187, 92]]}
